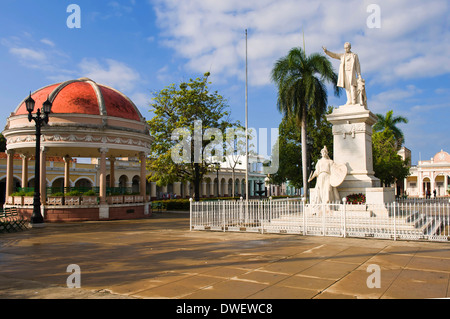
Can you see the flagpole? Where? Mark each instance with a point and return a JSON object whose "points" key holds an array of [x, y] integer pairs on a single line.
{"points": [[246, 126]]}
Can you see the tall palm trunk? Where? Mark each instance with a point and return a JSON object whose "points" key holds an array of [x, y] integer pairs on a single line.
{"points": [[304, 154], [301, 90]]}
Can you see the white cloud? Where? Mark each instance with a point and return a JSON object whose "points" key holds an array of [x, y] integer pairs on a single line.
{"points": [[28, 54], [389, 99], [48, 42], [37, 54], [115, 74], [412, 41]]}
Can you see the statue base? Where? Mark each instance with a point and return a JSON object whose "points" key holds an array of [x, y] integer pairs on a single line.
{"points": [[352, 145]]}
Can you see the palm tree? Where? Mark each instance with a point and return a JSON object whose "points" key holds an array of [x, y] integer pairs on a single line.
{"points": [[302, 92], [389, 122]]}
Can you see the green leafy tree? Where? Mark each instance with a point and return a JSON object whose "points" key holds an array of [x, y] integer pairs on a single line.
{"points": [[390, 122], [185, 115], [289, 146], [300, 80], [235, 146], [387, 163], [2, 143]]}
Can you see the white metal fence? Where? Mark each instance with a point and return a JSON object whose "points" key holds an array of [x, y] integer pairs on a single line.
{"points": [[409, 221]]}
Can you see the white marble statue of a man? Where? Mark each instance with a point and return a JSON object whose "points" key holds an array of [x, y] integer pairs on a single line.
{"points": [[349, 71], [325, 192]]}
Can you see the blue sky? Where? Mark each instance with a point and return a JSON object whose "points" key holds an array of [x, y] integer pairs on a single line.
{"points": [[141, 46]]}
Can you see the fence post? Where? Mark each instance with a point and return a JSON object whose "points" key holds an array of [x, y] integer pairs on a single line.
{"points": [[270, 217], [304, 215], [261, 215], [323, 219], [241, 217], [223, 214], [190, 214], [344, 200], [395, 224]]}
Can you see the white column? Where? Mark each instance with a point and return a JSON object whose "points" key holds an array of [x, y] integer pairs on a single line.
{"points": [[24, 170], [102, 185], [67, 160], [143, 177], [43, 185], [112, 177], [9, 172]]}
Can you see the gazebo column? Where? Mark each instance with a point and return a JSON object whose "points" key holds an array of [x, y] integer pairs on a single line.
{"points": [[9, 172], [67, 160], [43, 182], [143, 180], [112, 177], [24, 170], [102, 185]]}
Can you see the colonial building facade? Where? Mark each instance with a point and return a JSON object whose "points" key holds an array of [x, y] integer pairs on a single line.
{"points": [[428, 178], [127, 172]]}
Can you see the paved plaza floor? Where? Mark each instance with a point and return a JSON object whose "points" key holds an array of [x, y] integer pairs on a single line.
{"points": [[160, 258]]}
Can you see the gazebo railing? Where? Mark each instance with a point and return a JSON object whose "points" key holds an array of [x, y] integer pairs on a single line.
{"points": [[96, 189], [55, 190]]}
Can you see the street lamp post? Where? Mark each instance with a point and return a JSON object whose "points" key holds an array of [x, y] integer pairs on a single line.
{"points": [[40, 120]]}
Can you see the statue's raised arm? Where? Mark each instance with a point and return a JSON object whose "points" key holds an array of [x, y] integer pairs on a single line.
{"points": [[332, 54]]}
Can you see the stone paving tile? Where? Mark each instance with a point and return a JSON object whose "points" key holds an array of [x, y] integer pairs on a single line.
{"points": [[332, 295], [258, 262], [291, 265], [329, 269], [179, 288], [354, 285], [431, 251], [230, 289], [414, 284], [389, 261], [263, 277], [282, 292], [160, 258], [430, 264], [356, 255], [401, 250], [226, 272], [306, 282]]}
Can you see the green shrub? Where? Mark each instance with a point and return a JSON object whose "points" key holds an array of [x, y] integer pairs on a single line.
{"points": [[21, 193], [89, 193], [73, 193], [57, 194]]}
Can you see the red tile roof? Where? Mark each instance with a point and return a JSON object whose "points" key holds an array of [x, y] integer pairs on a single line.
{"points": [[80, 97]]}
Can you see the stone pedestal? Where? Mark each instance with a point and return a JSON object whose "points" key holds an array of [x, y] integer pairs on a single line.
{"points": [[352, 145]]}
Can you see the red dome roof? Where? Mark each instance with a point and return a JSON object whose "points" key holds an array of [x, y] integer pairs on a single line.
{"points": [[84, 96]]}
